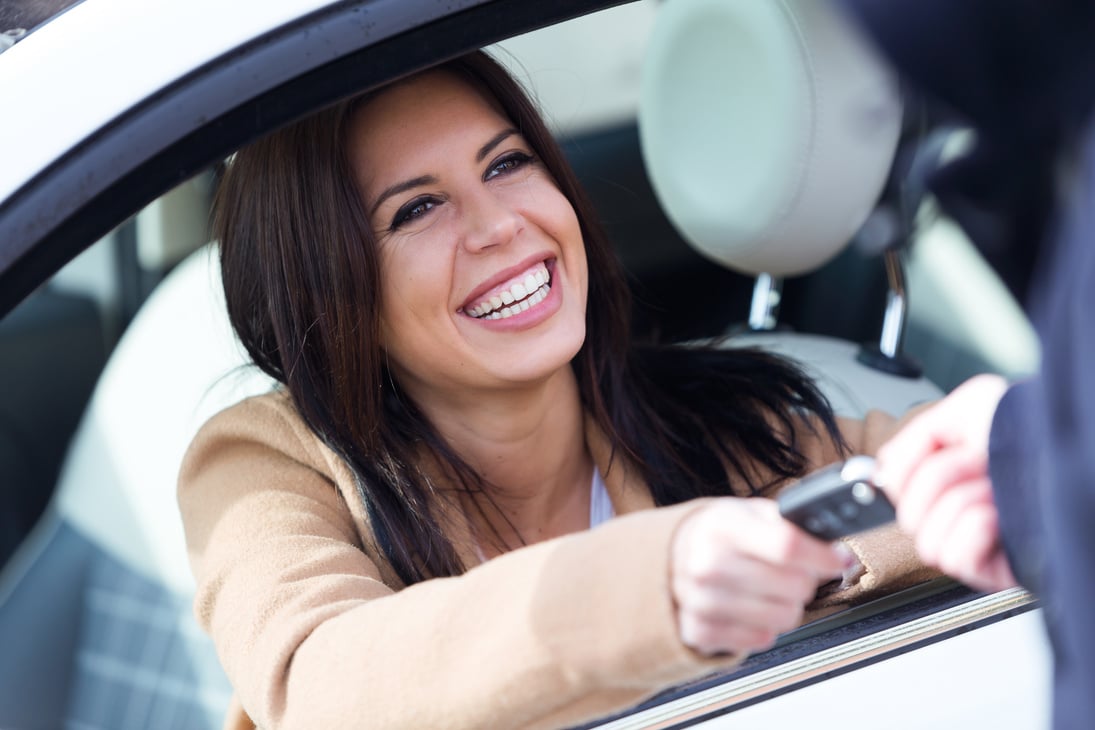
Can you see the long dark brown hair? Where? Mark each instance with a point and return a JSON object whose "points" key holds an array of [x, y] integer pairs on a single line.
{"points": [[301, 277]]}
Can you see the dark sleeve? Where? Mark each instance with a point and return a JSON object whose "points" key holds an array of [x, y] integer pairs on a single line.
{"points": [[1015, 470]]}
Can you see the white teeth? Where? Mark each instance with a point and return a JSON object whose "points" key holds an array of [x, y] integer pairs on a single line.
{"points": [[518, 298], [517, 307]]}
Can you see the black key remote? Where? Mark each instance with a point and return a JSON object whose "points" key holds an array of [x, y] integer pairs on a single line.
{"points": [[836, 501]]}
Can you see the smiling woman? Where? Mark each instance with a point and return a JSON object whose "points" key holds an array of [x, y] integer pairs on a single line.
{"points": [[404, 530], [481, 254]]}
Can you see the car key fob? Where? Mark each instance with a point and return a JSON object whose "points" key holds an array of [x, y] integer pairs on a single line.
{"points": [[836, 501]]}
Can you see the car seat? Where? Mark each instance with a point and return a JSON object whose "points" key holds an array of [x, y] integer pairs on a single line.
{"points": [[769, 131], [96, 604]]}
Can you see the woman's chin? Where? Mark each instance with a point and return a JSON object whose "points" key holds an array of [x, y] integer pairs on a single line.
{"points": [[538, 363]]}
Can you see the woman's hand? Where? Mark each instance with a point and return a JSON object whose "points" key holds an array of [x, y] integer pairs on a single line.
{"points": [[935, 471], [741, 575]]}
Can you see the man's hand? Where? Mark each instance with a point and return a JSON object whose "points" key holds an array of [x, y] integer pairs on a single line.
{"points": [[935, 471]]}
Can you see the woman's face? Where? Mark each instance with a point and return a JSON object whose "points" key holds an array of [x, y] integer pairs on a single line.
{"points": [[482, 261]]}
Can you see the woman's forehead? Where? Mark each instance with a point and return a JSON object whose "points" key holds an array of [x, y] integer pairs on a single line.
{"points": [[412, 122], [429, 98]]}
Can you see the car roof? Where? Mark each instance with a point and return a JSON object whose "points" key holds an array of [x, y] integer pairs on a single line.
{"points": [[99, 60]]}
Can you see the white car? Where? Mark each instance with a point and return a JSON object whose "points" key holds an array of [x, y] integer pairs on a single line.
{"points": [[114, 346]]}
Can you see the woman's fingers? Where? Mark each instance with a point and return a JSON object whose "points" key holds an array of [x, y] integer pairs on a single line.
{"points": [[741, 575], [754, 527], [742, 614], [716, 593]]}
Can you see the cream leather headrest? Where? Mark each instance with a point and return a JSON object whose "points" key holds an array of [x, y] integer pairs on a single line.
{"points": [[768, 128]]}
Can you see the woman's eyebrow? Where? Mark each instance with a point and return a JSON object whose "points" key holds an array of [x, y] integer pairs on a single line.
{"points": [[406, 185], [494, 142], [401, 188]]}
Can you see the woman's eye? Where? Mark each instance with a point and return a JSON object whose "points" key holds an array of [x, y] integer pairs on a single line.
{"points": [[508, 163], [409, 211]]}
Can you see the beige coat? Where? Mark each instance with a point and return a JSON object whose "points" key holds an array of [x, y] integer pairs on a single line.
{"points": [[289, 577]]}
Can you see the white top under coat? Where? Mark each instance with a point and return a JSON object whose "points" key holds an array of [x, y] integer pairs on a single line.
{"points": [[600, 506]]}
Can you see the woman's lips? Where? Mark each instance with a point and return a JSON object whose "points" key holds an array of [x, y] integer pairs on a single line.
{"points": [[515, 295]]}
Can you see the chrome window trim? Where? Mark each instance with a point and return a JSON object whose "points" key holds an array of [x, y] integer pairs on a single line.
{"points": [[786, 676]]}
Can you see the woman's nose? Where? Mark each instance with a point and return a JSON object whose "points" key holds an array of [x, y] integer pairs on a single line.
{"points": [[491, 221]]}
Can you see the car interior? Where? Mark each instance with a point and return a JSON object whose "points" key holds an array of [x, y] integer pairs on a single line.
{"points": [[758, 213]]}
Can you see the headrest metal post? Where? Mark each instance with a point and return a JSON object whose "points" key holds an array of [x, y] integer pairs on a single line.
{"points": [[888, 356], [764, 308], [893, 322]]}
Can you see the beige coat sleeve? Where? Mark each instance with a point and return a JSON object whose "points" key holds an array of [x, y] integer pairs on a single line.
{"points": [[311, 637]]}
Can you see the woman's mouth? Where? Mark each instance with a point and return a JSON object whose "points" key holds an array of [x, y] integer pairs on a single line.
{"points": [[514, 296]]}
